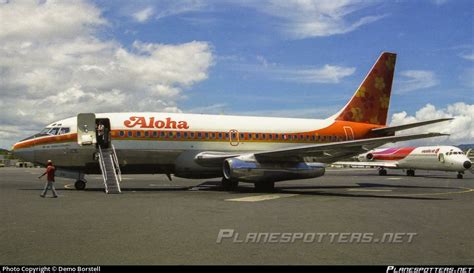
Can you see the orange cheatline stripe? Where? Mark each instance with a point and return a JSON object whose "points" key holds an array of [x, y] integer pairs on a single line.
{"points": [[334, 132]]}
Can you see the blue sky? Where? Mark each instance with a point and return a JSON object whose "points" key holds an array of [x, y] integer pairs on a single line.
{"points": [[271, 57], [427, 35]]}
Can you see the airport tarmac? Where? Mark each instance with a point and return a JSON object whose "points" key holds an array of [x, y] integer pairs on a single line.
{"points": [[155, 221]]}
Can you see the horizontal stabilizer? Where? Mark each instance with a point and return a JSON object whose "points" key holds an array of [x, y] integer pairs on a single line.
{"points": [[392, 129]]}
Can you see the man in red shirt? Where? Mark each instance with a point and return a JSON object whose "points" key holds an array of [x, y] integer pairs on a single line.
{"points": [[50, 169]]}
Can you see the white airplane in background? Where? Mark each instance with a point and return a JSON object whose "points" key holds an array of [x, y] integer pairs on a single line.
{"points": [[259, 150], [436, 158]]}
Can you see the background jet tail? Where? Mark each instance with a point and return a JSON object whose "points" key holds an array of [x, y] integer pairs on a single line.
{"points": [[371, 100]]}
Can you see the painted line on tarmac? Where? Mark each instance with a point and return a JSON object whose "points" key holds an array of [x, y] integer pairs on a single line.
{"points": [[367, 190], [464, 190], [394, 178], [259, 198], [68, 186]]}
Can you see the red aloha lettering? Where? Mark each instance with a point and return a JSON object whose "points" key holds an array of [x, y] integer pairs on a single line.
{"points": [[167, 123]]}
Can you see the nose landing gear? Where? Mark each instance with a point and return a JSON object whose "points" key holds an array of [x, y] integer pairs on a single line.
{"points": [[460, 175], [80, 185]]}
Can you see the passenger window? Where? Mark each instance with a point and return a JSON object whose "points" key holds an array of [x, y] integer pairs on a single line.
{"points": [[147, 133], [121, 133], [155, 134], [129, 133], [138, 134]]}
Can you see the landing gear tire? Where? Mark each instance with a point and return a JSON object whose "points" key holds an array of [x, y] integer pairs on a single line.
{"points": [[80, 185], [410, 172], [382, 172], [265, 186], [229, 184], [459, 176]]}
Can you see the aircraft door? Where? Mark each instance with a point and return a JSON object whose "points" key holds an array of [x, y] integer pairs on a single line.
{"points": [[234, 137], [349, 132], [441, 157], [86, 129]]}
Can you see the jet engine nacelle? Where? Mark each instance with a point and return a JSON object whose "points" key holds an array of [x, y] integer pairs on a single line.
{"points": [[366, 157], [253, 171]]}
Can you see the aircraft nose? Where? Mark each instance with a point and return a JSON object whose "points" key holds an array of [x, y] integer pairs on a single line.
{"points": [[467, 164]]}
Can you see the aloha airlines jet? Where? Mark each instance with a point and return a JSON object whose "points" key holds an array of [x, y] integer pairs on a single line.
{"points": [[437, 158], [258, 150]]}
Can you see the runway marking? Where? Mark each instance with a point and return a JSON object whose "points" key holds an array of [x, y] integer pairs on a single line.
{"points": [[366, 190], [465, 190], [67, 186], [259, 198]]}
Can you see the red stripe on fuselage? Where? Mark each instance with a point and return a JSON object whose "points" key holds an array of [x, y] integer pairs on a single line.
{"points": [[393, 153]]}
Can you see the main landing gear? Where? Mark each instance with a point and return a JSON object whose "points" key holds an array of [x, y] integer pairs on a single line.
{"points": [[382, 172], [229, 184], [410, 172], [267, 186], [80, 185]]}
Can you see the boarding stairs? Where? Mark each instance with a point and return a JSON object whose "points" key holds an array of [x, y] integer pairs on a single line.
{"points": [[110, 170]]}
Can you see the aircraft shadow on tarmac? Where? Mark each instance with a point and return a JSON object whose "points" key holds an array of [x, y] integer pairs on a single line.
{"points": [[425, 175], [316, 190], [297, 189]]}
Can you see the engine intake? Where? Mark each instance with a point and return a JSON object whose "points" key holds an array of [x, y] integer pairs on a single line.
{"points": [[254, 171]]}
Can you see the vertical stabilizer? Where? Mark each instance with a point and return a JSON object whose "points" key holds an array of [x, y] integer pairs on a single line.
{"points": [[371, 100]]}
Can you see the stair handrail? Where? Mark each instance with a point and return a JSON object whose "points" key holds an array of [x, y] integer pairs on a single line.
{"points": [[102, 168], [115, 159]]}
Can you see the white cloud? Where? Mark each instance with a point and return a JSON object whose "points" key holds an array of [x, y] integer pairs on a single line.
{"points": [[415, 79], [171, 8], [143, 15], [50, 72], [467, 56], [326, 74], [315, 18], [461, 129]]}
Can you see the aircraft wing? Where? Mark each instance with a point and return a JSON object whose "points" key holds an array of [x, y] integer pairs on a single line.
{"points": [[393, 129], [331, 152], [324, 153], [368, 164]]}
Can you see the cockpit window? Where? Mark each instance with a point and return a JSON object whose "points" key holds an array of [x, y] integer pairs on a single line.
{"points": [[48, 131], [54, 131], [63, 131], [44, 131]]}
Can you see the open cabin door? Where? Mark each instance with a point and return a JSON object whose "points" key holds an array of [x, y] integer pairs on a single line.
{"points": [[86, 129]]}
